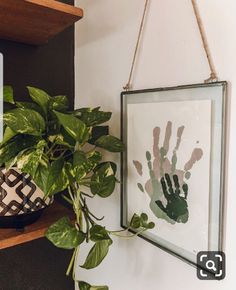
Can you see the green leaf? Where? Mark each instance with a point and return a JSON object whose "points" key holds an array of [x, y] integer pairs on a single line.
{"points": [[98, 233], [64, 235], [8, 94], [80, 164], [92, 117], [69, 172], [85, 286], [57, 179], [110, 143], [59, 103], [29, 161], [84, 163], [31, 106], [74, 127], [135, 222], [54, 176], [99, 288], [79, 158], [67, 137], [144, 217], [14, 147], [8, 134], [94, 156], [141, 222], [151, 225], [144, 221], [109, 164], [25, 121], [40, 97], [97, 254], [52, 179], [60, 140], [40, 177], [103, 181], [98, 132]]}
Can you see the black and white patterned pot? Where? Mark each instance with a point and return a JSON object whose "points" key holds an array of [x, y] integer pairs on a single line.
{"points": [[21, 200]]}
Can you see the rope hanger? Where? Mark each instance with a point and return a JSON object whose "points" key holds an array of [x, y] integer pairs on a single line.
{"points": [[128, 85], [213, 75]]}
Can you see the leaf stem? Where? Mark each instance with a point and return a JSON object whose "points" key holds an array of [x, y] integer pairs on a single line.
{"points": [[67, 199], [51, 148], [71, 263], [87, 226], [85, 194], [71, 194], [128, 236], [121, 231], [75, 263], [96, 218]]}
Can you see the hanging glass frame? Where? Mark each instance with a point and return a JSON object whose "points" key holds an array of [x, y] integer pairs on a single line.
{"points": [[173, 168]]}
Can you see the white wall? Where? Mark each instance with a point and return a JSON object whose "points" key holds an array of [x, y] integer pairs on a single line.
{"points": [[170, 55]]}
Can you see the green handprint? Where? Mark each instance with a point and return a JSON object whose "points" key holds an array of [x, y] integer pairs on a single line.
{"points": [[160, 164], [176, 199], [157, 192]]}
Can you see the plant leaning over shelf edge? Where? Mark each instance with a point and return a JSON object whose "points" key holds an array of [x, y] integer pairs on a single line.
{"points": [[59, 149]]}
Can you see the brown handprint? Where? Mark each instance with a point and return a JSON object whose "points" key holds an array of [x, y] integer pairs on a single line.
{"points": [[160, 166]]}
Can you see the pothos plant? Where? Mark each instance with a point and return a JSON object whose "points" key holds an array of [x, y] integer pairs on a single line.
{"points": [[59, 148]]}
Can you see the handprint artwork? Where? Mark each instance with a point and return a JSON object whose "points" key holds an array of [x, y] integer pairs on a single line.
{"points": [[173, 167], [167, 185]]}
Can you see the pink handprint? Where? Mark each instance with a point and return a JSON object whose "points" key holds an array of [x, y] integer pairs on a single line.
{"points": [[160, 166]]}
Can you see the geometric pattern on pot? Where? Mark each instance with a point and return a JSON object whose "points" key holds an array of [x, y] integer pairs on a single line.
{"points": [[19, 194]]}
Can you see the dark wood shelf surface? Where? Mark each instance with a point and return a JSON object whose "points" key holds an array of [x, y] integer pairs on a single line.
{"points": [[12, 237], [35, 21]]}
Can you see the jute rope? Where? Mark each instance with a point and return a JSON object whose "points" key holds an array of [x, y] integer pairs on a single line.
{"points": [[213, 75], [128, 86]]}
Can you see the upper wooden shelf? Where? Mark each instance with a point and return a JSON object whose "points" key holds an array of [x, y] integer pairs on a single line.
{"points": [[35, 21], [12, 237]]}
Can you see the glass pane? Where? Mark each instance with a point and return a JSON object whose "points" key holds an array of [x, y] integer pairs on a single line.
{"points": [[174, 164]]}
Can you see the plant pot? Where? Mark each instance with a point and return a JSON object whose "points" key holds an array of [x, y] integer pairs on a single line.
{"points": [[21, 200]]}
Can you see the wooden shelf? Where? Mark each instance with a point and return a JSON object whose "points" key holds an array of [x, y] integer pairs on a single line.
{"points": [[12, 237], [35, 21]]}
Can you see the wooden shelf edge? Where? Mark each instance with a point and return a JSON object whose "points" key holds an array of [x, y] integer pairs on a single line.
{"points": [[21, 238], [12, 237], [35, 22], [59, 6]]}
